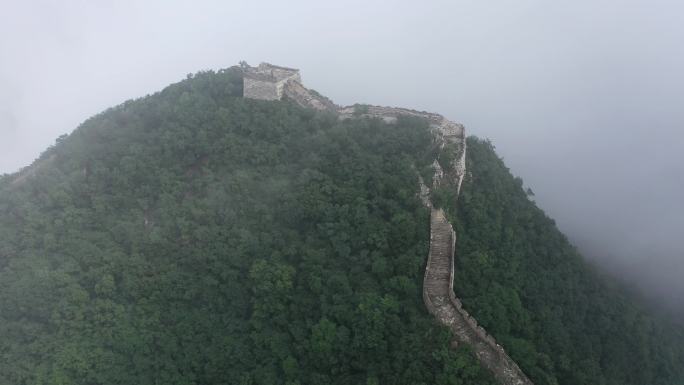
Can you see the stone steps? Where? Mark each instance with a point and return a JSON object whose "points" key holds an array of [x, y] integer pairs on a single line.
{"points": [[438, 298]]}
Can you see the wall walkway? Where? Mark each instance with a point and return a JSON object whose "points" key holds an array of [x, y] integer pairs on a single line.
{"points": [[438, 293], [442, 303]]}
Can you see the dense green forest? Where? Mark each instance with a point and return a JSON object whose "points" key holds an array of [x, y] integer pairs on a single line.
{"points": [[521, 279], [195, 237]]}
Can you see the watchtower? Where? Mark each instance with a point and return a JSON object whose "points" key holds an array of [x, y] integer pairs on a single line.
{"points": [[267, 81]]}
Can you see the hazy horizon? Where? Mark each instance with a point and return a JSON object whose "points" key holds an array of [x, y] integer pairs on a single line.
{"points": [[581, 99]]}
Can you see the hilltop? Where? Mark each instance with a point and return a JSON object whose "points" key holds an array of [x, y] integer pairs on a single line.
{"points": [[197, 236]]}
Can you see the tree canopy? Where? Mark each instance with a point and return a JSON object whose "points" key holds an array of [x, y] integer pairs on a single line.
{"points": [[195, 237], [562, 321]]}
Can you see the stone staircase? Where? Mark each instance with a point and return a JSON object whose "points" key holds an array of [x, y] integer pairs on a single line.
{"points": [[442, 303], [438, 271]]}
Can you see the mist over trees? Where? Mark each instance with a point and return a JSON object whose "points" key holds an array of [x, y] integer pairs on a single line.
{"points": [[562, 320], [197, 237], [582, 98], [193, 236]]}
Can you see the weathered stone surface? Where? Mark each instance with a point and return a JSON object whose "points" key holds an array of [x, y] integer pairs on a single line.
{"points": [[267, 81], [441, 301], [304, 97]]}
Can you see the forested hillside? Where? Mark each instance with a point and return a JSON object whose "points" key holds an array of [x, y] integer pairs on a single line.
{"points": [[561, 321], [194, 237]]}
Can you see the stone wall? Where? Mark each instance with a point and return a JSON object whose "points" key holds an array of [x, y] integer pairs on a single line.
{"points": [[267, 81], [295, 91], [282, 73], [438, 283], [260, 89], [438, 293], [441, 302], [444, 131]]}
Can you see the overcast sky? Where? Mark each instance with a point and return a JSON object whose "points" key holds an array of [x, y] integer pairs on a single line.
{"points": [[584, 98]]}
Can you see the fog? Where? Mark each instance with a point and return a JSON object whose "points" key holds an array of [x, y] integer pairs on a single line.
{"points": [[582, 98]]}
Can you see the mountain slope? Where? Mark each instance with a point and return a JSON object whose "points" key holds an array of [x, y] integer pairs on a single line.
{"points": [[195, 237], [520, 278]]}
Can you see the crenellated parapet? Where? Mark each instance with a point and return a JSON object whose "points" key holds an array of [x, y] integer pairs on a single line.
{"points": [[441, 302], [294, 90]]}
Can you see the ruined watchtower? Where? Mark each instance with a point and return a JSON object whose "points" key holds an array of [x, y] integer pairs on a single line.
{"points": [[267, 81]]}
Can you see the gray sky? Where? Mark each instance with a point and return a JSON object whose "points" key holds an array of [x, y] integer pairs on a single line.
{"points": [[582, 98]]}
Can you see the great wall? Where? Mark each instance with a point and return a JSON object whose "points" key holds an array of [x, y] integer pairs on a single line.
{"points": [[270, 82]]}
